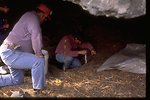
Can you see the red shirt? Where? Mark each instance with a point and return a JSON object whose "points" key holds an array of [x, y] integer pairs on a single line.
{"points": [[70, 47]]}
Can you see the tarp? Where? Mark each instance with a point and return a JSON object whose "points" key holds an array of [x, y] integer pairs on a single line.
{"points": [[131, 59]]}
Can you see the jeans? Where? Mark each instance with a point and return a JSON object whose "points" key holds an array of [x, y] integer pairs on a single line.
{"points": [[17, 61], [68, 61]]}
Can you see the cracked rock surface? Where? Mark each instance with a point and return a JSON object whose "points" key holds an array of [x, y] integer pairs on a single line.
{"points": [[113, 8]]}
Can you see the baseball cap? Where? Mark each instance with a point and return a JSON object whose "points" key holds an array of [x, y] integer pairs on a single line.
{"points": [[44, 8]]}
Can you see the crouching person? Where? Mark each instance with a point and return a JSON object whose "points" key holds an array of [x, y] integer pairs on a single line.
{"points": [[70, 48], [22, 49]]}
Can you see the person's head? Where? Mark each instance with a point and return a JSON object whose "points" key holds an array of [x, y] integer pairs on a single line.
{"points": [[77, 38], [44, 12], [4, 8]]}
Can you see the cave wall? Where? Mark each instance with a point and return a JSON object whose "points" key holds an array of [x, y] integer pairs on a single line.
{"points": [[113, 8], [68, 18]]}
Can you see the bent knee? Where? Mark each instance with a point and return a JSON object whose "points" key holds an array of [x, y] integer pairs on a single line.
{"points": [[69, 59], [39, 62], [18, 81]]}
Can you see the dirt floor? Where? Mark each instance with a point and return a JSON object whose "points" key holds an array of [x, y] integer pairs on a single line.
{"points": [[86, 81]]}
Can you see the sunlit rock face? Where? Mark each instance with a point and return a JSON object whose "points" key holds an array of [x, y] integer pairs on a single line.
{"points": [[113, 8]]}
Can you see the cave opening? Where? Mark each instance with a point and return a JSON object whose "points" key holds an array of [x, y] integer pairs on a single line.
{"points": [[107, 34]]}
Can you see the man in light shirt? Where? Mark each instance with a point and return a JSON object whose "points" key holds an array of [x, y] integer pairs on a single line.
{"points": [[22, 49]]}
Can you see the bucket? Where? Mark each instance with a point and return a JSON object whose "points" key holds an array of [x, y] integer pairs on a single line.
{"points": [[46, 56]]}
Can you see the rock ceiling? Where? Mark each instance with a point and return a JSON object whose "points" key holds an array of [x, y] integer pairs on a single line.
{"points": [[113, 8]]}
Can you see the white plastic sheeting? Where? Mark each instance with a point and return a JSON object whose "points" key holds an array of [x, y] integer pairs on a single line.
{"points": [[131, 59]]}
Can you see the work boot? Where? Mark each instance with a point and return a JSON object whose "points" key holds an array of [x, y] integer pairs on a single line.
{"points": [[37, 92]]}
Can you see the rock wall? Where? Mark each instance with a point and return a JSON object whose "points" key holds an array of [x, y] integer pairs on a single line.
{"points": [[113, 8]]}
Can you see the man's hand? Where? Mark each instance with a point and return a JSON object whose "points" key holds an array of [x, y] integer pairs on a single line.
{"points": [[40, 55], [82, 52], [93, 52]]}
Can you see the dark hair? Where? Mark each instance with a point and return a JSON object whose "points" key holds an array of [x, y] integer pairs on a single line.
{"points": [[38, 10], [77, 35]]}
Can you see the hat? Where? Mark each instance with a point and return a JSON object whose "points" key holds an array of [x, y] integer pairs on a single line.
{"points": [[45, 9]]}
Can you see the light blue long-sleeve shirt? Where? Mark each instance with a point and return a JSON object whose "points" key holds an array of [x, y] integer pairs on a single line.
{"points": [[27, 33]]}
